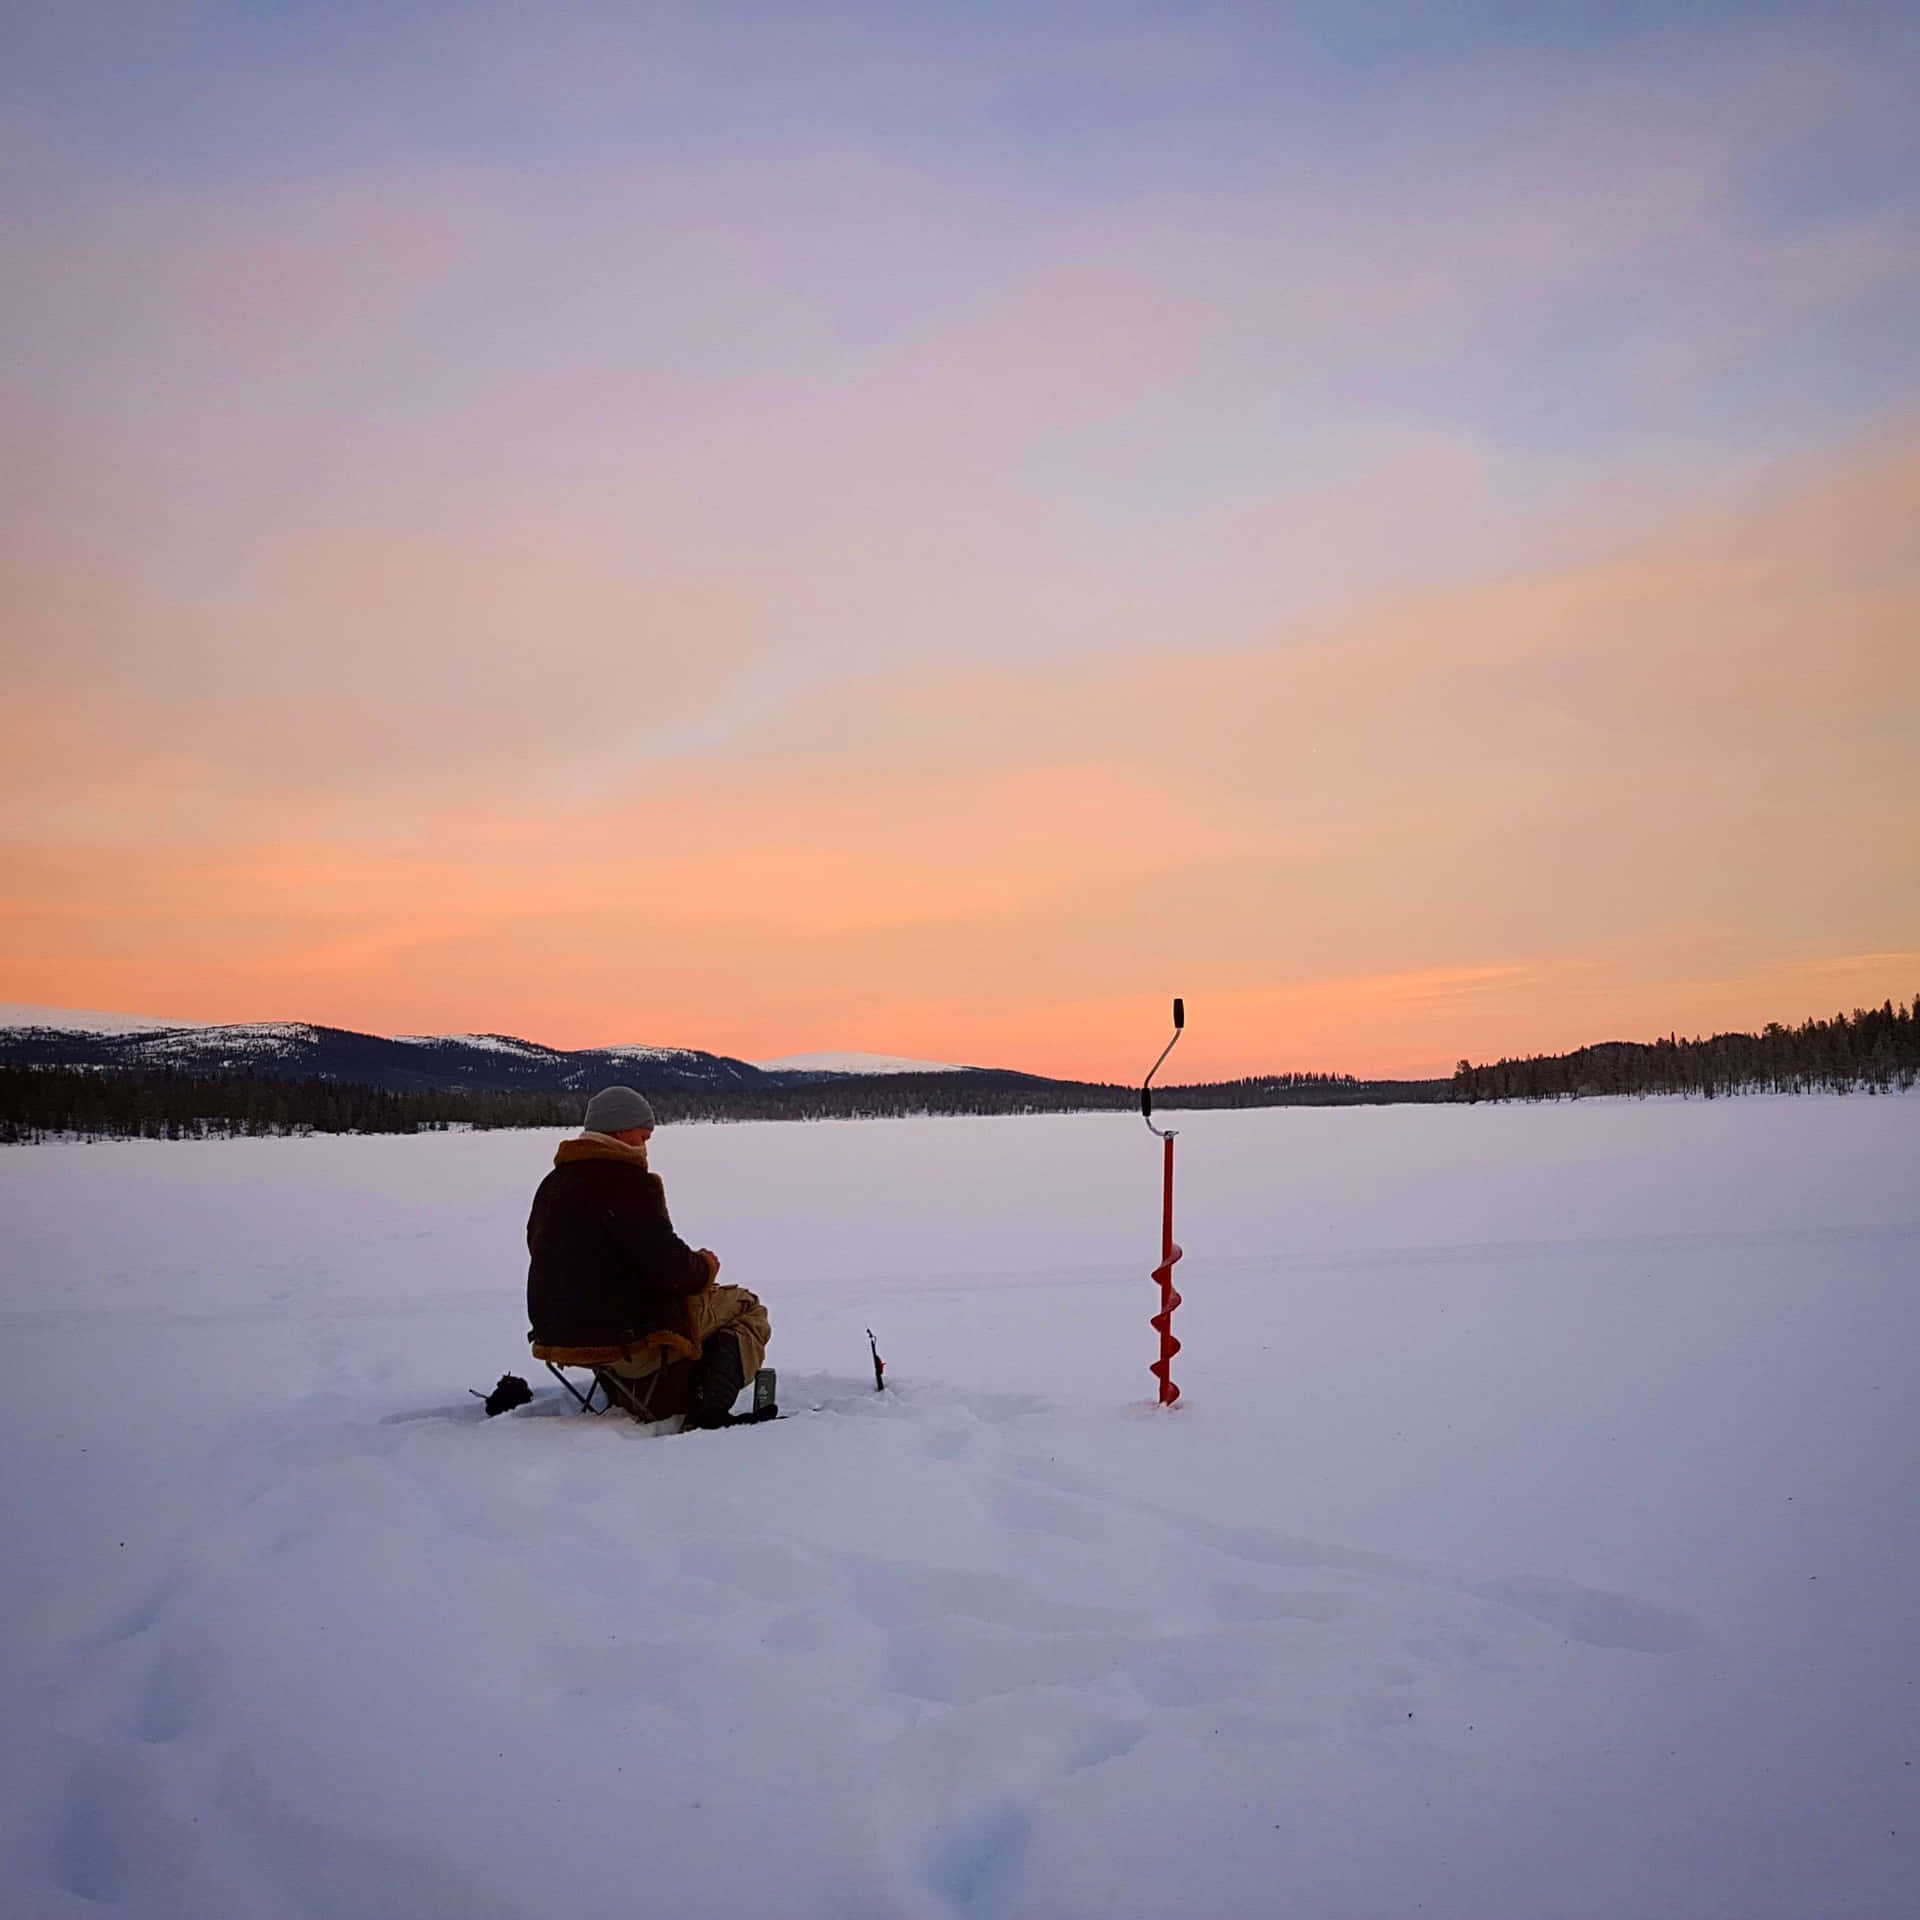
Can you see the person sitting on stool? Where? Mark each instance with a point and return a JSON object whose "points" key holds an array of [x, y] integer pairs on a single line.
{"points": [[606, 1268]]}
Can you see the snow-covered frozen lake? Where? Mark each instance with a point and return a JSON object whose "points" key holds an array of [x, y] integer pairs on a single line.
{"points": [[1538, 1535]]}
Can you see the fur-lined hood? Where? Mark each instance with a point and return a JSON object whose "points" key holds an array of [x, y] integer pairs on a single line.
{"points": [[600, 1146]]}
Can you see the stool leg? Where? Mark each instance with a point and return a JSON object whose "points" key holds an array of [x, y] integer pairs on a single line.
{"points": [[628, 1392], [583, 1400]]}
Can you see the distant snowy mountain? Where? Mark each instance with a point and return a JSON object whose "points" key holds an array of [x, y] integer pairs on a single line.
{"points": [[855, 1063], [300, 1050], [483, 1042], [63, 1036], [72, 1020]]}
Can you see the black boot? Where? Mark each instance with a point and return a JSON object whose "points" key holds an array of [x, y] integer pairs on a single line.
{"points": [[718, 1376]]}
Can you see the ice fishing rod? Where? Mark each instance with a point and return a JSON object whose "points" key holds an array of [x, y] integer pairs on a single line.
{"points": [[1162, 1322]]}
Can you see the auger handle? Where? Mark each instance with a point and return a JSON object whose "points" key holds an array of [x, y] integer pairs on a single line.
{"points": [[1146, 1086]]}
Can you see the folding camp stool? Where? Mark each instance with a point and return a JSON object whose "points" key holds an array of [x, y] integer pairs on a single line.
{"points": [[634, 1396]]}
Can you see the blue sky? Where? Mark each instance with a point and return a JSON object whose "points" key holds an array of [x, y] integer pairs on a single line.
{"points": [[204, 91], [1797, 122]]}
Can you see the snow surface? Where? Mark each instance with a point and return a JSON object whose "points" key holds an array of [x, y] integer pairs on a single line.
{"points": [[854, 1063], [1537, 1537], [73, 1020]]}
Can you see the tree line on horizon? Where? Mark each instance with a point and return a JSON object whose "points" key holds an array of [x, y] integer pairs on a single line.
{"points": [[1875, 1048], [40, 1103]]}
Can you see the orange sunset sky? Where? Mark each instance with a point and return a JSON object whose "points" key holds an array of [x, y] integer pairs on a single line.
{"points": [[894, 535]]}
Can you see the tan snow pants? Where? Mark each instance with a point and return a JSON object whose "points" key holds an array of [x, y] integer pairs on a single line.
{"points": [[710, 1312]]}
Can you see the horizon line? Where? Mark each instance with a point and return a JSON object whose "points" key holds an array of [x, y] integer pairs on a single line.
{"points": [[12, 1018]]}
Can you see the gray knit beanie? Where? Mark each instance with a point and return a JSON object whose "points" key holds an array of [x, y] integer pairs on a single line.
{"points": [[616, 1109]]}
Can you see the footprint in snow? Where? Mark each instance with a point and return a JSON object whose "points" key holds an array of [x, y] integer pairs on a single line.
{"points": [[112, 1833], [141, 1616], [976, 1864], [175, 1692], [959, 1800]]}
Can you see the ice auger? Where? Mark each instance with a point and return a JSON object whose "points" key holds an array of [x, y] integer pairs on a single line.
{"points": [[1162, 1322]]}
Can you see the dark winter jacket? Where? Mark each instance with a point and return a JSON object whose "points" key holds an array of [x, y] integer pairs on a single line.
{"points": [[606, 1266]]}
